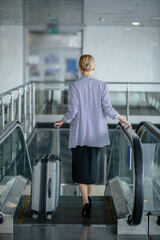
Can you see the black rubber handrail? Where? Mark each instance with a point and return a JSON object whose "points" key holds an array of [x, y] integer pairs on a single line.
{"points": [[151, 128], [137, 211], [8, 130]]}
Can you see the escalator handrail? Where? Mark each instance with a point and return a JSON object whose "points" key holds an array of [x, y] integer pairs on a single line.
{"points": [[138, 198], [151, 128], [8, 130], [9, 127]]}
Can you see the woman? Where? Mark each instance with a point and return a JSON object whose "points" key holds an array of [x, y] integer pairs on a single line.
{"points": [[89, 105]]}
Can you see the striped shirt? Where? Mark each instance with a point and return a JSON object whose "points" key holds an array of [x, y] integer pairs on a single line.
{"points": [[89, 105]]}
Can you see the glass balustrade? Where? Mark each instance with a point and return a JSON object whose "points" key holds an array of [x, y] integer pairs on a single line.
{"points": [[150, 138], [134, 100], [125, 166], [14, 160], [44, 141]]}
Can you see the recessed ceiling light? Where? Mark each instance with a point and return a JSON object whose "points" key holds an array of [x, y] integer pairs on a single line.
{"points": [[135, 23], [101, 19], [156, 18]]}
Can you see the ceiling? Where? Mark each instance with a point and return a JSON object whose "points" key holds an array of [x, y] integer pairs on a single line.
{"points": [[80, 12], [122, 12]]}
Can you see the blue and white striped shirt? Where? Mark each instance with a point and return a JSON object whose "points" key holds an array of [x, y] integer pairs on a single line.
{"points": [[89, 105]]}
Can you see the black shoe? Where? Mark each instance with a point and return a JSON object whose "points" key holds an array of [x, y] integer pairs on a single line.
{"points": [[86, 210], [90, 201]]}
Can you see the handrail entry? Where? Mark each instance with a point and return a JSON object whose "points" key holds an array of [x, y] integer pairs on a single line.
{"points": [[137, 211]]}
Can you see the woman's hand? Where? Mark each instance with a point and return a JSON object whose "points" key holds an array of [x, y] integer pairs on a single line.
{"points": [[123, 120], [58, 123]]}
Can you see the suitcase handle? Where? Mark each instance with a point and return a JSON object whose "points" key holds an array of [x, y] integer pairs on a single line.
{"points": [[58, 141], [49, 188]]}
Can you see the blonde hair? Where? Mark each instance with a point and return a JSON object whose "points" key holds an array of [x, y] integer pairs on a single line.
{"points": [[86, 62]]}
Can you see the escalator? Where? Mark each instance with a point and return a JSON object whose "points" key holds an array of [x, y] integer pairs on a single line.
{"points": [[150, 139], [44, 141], [15, 174], [123, 183], [125, 178]]}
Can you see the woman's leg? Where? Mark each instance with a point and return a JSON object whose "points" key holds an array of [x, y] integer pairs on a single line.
{"points": [[84, 192], [89, 189]]}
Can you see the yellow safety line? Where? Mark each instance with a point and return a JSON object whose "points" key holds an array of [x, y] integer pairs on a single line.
{"points": [[21, 218]]}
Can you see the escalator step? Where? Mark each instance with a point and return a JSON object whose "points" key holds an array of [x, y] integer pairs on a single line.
{"points": [[69, 212]]}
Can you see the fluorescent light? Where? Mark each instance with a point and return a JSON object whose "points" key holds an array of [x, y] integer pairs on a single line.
{"points": [[135, 23], [156, 18]]}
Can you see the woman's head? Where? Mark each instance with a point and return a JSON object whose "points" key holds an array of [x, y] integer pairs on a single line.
{"points": [[87, 63]]}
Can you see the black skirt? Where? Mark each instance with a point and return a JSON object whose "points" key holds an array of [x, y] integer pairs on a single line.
{"points": [[84, 164]]}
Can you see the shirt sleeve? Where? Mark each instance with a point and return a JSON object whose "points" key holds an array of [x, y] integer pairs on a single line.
{"points": [[106, 103], [73, 104]]}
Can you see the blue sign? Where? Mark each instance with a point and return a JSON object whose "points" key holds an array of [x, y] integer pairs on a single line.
{"points": [[129, 157], [71, 65]]}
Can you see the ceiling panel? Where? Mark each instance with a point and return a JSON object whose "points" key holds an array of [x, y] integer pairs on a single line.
{"points": [[122, 12], [51, 11], [80, 12], [11, 12]]}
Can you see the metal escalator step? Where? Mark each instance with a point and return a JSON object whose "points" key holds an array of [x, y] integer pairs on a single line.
{"points": [[71, 232], [6, 236], [69, 212]]}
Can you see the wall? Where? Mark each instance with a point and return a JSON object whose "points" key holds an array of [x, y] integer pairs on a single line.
{"points": [[124, 55], [11, 57], [121, 55]]}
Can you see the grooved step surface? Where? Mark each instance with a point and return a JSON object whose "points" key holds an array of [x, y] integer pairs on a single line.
{"points": [[69, 212], [72, 232], [69, 232]]}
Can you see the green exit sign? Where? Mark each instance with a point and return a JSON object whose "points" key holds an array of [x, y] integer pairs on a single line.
{"points": [[53, 30]]}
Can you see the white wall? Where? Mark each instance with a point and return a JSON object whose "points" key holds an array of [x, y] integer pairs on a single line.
{"points": [[124, 55], [11, 57]]}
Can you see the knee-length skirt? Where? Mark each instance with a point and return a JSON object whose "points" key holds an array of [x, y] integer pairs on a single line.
{"points": [[84, 164]]}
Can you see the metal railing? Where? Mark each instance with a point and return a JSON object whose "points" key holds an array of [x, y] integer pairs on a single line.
{"points": [[19, 104], [26, 101], [127, 98]]}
